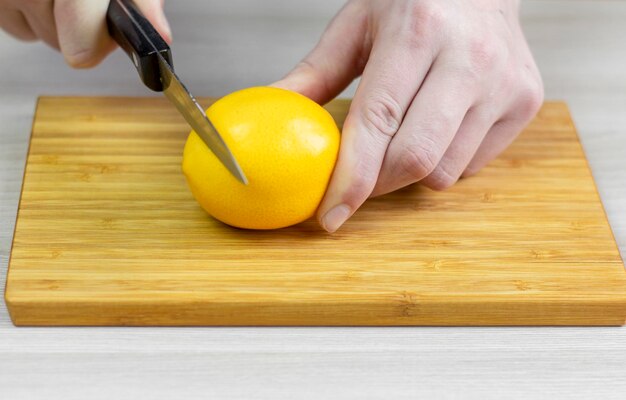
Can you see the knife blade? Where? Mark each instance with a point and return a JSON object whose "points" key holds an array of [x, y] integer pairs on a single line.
{"points": [[195, 116], [152, 57]]}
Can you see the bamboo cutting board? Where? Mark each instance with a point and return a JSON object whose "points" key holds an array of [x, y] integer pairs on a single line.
{"points": [[108, 234]]}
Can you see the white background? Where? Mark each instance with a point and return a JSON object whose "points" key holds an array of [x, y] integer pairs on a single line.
{"points": [[222, 46]]}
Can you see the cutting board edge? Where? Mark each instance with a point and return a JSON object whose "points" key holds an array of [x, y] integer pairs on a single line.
{"points": [[19, 204], [595, 187], [607, 311]]}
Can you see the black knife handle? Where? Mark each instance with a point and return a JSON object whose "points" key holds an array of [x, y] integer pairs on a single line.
{"points": [[136, 35]]}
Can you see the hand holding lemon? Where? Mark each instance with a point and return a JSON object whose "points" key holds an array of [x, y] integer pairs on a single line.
{"points": [[445, 87]]}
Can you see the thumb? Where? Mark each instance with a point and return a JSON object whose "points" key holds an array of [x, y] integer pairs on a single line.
{"points": [[337, 59]]}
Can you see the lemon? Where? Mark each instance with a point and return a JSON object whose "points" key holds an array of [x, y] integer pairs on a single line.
{"points": [[285, 143]]}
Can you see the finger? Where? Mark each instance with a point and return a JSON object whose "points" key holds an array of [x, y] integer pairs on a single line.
{"points": [[82, 30], [83, 35], [14, 23], [466, 142], [40, 17], [153, 10], [390, 80], [429, 127], [336, 60], [499, 137]]}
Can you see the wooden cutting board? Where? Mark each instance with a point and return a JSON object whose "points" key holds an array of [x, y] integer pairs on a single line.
{"points": [[108, 234]]}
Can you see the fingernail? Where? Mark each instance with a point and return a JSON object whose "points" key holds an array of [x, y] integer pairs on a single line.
{"points": [[335, 217]]}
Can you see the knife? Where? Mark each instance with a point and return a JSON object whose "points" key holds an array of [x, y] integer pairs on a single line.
{"points": [[153, 59]]}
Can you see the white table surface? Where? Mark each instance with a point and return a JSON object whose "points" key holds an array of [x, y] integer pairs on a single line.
{"points": [[222, 46]]}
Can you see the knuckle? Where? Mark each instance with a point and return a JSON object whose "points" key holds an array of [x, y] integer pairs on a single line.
{"points": [[420, 160], [425, 19], [382, 116], [530, 98], [485, 53], [441, 179], [427, 15], [362, 184], [81, 58]]}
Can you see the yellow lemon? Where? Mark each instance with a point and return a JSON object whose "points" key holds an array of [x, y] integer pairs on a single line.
{"points": [[285, 143]]}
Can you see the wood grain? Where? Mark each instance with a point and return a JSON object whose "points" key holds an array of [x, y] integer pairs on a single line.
{"points": [[108, 234]]}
